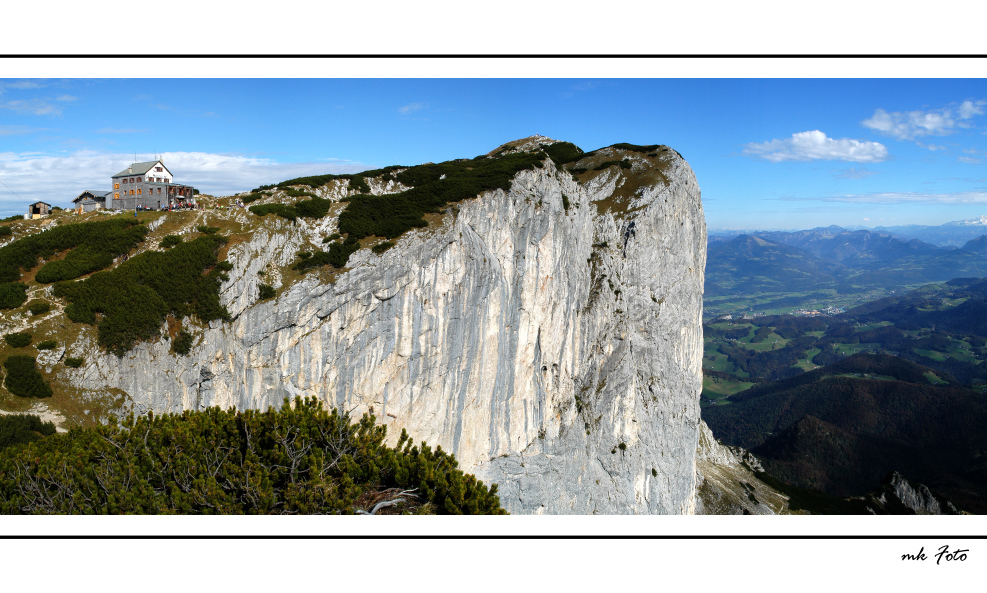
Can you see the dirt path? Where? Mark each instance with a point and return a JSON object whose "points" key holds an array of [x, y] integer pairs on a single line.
{"points": [[41, 410]]}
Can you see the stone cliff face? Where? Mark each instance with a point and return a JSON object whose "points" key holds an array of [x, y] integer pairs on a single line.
{"points": [[549, 336]]}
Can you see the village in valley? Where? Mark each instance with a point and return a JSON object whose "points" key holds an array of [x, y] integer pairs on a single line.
{"points": [[825, 311]]}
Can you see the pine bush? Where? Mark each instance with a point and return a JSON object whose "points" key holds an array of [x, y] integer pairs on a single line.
{"points": [[23, 378], [170, 241], [18, 340], [183, 343], [266, 291], [39, 307], [12, 294], [301, 459], [22, 428], [160, 283]]}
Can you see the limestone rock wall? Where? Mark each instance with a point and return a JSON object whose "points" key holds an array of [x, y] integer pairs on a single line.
{"points": [[556, 351]]}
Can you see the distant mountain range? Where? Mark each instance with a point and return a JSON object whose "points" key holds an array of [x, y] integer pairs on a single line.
{"points": [[778, 261], [951, 234]]}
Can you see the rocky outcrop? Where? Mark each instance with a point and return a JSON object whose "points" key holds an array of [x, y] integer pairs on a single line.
{"points": [[899, 495], [549, 336], [727, 482]]}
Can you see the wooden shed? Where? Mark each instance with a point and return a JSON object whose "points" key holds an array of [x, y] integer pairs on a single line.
{"points": [[38, 210]]}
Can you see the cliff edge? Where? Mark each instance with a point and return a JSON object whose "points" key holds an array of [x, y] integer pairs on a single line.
{"points": [[549, 335]]}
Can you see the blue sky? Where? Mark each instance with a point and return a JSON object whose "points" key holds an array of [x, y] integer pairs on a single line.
{"points": [[768, 153]]}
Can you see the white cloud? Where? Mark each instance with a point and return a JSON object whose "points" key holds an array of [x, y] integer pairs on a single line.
{"points": [[411, 108], [908, 125], [11, 130], [815, 145], [855, 173], [32, 106], [968, 109], [969, 160], [57, 179], [23, 84], [968, 197], [580, 87]]}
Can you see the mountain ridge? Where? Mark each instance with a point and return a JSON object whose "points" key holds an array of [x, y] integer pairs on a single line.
{"points": [[548, 333]]}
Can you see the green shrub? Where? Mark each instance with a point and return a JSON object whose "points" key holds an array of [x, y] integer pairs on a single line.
{"points": [[262, 188], [12, 294], [170, 241], [5, 231], [336, 257], [207, 230], [12, 218], [23, 378], [320, 180], [433, 186], [304, 254], [39, 307], [74, 362], [183, 343], [301, 460], [382, 247], [266, 291], [161, 282], [297, 193], [314, 208], [282, 210], [624, 164], [565, 202], [18, 340], [563, 152], [47, 345], [252, 197], [331, 238], [636, 147], [93, 246], [16, 429], [224, 265]]}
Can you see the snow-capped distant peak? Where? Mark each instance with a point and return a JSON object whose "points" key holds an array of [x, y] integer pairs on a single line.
{"points": [[981, 221]]}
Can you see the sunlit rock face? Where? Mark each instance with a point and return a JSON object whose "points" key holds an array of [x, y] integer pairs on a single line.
{"points": [[550, 336]]}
